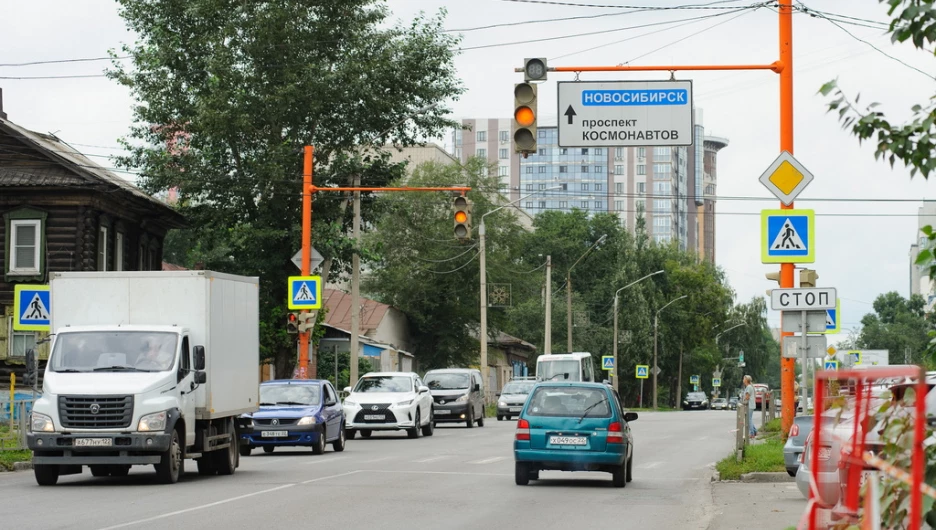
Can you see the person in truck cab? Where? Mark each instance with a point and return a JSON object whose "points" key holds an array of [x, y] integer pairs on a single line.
{"points": [[154, 355]]}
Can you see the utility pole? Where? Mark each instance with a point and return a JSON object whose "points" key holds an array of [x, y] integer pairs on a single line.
{"points": [[569, 291], [355, 284], [614, 378], [307, 187], [679, 376], [655, 369], [547, 341]]}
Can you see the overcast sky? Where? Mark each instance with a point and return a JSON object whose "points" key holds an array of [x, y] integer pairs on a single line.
{"points": [[863, 255]]}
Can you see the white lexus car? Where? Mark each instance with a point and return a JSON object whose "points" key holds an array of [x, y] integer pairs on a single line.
{"points": [[388, 401]]}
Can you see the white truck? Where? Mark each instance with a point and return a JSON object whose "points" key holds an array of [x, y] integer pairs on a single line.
{"points": [[146, 368]]}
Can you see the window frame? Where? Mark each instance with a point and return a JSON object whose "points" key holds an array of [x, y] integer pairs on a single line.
{"points": [[119, 241], [102, 244], [23, 216]]}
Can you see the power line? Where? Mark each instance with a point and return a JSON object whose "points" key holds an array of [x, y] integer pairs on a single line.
{"points": [[649, 8], [60, 61], [743, 11], [22, 77]]}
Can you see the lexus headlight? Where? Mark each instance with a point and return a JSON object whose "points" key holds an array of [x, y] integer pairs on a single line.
{"points": [[685, 402], [350, 403], [40, 423], [153, 422], [406, 403], [462, 399], [307, 420]]}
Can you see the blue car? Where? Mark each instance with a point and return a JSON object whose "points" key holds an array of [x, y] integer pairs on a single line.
{"points": [[575, 426], [295, 412]]}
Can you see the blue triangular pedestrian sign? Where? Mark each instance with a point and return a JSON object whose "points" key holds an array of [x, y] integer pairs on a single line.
{"points": [[607, 363], [641, 372], [305, 292], [830, 365]]}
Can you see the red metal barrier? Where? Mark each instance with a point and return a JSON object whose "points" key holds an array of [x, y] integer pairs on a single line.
{"points": [[854, 454]]}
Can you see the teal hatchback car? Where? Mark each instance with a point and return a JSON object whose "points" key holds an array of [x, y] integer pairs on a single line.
{"points": [[574, 427]]}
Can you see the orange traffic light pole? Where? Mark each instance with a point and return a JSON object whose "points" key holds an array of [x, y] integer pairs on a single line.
{"points": [[308, 189], [784, 67]]}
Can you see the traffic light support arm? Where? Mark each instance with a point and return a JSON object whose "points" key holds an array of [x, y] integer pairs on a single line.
{"points": [[313, 189], [776, 67]]}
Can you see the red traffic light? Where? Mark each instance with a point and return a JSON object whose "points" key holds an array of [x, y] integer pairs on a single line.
{"points": [[293, 317]]}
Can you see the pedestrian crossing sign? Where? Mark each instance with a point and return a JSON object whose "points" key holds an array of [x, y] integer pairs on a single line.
{"points": [[607, 362], [832, 320], [32, 310], [830, 365], [716, 381], [855, 357], [305, 292], [643, 371], [788, 236]]}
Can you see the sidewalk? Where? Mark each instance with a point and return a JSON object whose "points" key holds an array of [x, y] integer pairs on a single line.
{"points": [[742, 506]]}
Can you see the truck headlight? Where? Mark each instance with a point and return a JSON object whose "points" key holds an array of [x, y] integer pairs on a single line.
{"points": [[462, 399], [153, 422], [40, 423], [307, 420]]}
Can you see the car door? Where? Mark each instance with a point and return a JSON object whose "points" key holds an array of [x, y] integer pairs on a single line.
{"points": [[475, 395], [424, 400], [332, 412], [186, 388]]}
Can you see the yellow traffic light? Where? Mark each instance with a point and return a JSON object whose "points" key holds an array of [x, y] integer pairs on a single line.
{"points": [[524, 120], [775, 276], [462, 218]]}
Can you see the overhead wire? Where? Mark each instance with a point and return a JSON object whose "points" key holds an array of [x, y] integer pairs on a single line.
{"points": [[712, 5]]}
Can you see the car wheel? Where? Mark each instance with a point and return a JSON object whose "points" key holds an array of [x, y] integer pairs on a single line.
{"points": [[366, 433], [500, 418], [619, 475], [508, 417], [338, 445], [99, 471], [319, 446], [245, 449], [415, 430], [119, 470], [350, 434], [791, 473], [521, 474], [470, 421], [630, 467], [534, 474], [429, 427], [268, 448], [481, 419]]}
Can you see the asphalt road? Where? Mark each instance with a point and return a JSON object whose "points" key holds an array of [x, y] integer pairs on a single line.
{"points": [[457, 479]]}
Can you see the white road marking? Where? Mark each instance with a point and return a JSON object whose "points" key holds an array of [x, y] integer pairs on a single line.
{"points": [[433, 459], [325, 460], [489, 460], [441, 473], [223, 501], [376, 460], [650, 465]]}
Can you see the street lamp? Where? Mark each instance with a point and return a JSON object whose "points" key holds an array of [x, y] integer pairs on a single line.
{"points": [[616, 293], [483, 255], [656, 319], [569, 292]]}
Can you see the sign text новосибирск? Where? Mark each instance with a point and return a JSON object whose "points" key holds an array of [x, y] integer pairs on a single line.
{"points": [[617, 98]]}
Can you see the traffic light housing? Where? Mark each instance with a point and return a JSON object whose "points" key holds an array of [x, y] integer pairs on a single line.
{"points": [[292, 323], [31, 368], [306, 322], [808, 277], [534, 69], [461, 216], [524, 119], [774, 276]]}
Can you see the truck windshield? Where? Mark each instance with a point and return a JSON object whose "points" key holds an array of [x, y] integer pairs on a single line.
{"points": [[447, 381], [558, 371], [290, 395], [114, 351]]}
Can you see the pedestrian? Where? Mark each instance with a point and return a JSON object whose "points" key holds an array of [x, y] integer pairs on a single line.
{"points": [[749, 397]]}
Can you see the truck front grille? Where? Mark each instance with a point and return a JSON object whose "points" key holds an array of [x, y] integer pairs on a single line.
{"points": [[95, 412]]}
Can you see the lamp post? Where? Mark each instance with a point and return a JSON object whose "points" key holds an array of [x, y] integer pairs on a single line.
{"points": [[569, 292], [482, 253], [615, 349], [656, 320]]}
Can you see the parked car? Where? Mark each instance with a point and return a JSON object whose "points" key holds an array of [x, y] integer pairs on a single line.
{"points": [[389, 401], [760, 390], [802, 426], [719, 404], [574, 427], [295, 412], [457, 395], [511, 399], [695, 400], [732, 403]]}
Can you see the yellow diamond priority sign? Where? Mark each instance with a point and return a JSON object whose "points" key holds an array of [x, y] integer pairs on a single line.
{"points": [[786, 178]]}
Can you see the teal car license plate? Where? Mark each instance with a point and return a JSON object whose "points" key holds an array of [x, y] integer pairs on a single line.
{"points": [[568, 440]]}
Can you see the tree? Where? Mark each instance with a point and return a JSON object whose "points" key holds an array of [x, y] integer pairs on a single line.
{"points": [[897, 325], [227, 94]]}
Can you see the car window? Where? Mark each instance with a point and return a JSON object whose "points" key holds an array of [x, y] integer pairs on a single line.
{"points": [[329, 393], [443, 381], [518, 388], [289, 394], [384, 383], [569, 401]]}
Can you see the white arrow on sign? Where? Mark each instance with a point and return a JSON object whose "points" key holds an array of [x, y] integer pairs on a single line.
{"points": [[317, 259], [803, 299]]}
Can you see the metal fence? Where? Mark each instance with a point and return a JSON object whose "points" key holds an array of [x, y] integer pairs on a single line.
{"points": [[14, 418]]}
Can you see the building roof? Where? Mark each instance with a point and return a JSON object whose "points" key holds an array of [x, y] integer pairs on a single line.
{"points": [[171, 267], [71, 168], [338, 316]]}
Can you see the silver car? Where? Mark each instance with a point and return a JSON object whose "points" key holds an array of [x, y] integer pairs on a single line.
{"points": [[802, 426], [511, 399]]}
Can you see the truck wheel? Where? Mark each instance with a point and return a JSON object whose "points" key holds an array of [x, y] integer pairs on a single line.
{"points": [[338, 445], [99, 471], [46, 474], [319, 446], [206, 465], [245, 449], [226, 459], [170, 463]]}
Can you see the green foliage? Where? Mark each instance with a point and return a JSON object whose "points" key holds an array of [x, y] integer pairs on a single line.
{"points": [[8, 458], [326, 367], [765, 457], [897, 324], [228, 93]]}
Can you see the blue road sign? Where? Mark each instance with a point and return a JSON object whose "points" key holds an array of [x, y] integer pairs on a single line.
{"points": [[788, 236], [305, 292], [31, 308], [643, 371], [830, 365], [693, 380], [716, 381], [607, 362]]}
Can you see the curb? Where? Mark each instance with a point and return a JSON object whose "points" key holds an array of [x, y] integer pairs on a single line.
{"points": [[767, 477], [17, 466], [716, 477]]}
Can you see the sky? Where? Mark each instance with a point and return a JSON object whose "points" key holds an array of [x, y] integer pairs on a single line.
{"points": [[863, 253]]}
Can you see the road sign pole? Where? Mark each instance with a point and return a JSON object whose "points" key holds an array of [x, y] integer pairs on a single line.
{"points": [[787, 366], [805, 355], [303, 343]]}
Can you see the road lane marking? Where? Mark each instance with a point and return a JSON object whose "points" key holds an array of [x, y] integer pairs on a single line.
{"points": [[650, 465], [433, 459], [223, 501], [376, 460], [489, 460], [441, 473], [326, 460]]}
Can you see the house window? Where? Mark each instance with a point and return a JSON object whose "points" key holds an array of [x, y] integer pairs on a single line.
{"points": [[529, 205], [584, 169], [482, 136], [542, 205], [619, 205], [529, 169], [502, 154], [641, 187], [641, 152], [25, 246], [119, 252], [529, 187], [599, 169], [563, 151], [585, 205], [482, 153], [504, 136], [541, 152], [619, 169], [584, 186], [563, 169], [542, 169], [598, 187], [541, 133], [641, 169], [618, 187], [542, 186], [563, 204], [599, 151], [584, 150], [503, 171], [20, 341], [598, 204], [102, 248], [619, 152]]}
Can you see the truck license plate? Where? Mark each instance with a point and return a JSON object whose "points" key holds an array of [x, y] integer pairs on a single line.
{"points": [[568, 440], [93, 442], [375, 416], [274, 434]]}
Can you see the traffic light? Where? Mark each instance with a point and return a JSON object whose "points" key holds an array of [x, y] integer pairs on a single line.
{"points": [[808, 277], [292, 323], [31, 368], [534, 69], [462, 218], [524, 120], [775, 276], [306, 322]]}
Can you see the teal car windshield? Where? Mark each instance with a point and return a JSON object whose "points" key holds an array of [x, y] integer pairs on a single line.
{"points": [[569, 401]]}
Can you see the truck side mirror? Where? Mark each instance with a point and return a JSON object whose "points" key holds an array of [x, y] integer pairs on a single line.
{"points": [[201, 378], [199, 353]]}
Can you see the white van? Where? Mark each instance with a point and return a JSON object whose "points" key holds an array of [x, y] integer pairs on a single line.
{"points": [[575, 366]]}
